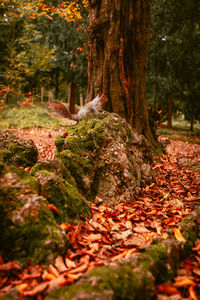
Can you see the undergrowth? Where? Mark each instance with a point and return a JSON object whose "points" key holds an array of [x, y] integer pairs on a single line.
{"points": [[23, 117]]}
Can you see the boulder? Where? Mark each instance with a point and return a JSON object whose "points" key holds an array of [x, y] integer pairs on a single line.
{"points": [[28, 228], [14, 150], [106, 157]]}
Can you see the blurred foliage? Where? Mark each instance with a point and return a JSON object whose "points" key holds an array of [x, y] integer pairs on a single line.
{"points": [[174, 56], [42, 44]]}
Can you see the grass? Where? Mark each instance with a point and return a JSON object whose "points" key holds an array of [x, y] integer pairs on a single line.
{"points": [[181, 131], [24, 117]]}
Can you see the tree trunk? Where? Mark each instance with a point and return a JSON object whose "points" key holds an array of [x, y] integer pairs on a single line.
{"points": [[192, 118], [170, 107], [72, 97], [42, 95], [119, 33], [57, 84]]}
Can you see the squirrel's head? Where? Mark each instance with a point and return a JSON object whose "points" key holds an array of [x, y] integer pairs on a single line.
{"points": [[103, 97]]}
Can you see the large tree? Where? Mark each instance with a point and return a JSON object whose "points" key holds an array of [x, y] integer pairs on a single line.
{"points": [[119, 33]]}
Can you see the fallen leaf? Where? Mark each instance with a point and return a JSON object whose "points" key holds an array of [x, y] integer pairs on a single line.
{"points": [[60, 265], [183, 282], [196, 271], [70, 263], [140, 229], [192, 293], [40, 288], [53, 208], [53, 270], [167, 289], [178, 235], [21, 287], [92, 237]]}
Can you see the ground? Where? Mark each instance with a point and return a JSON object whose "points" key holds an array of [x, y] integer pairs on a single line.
{"points": [[116, 233]]}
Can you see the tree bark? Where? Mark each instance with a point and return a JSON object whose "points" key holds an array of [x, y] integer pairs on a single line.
{"points": [[119, 33], [72, 97]]}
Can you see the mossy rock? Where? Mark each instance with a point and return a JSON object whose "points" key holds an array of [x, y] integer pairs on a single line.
{"points": [[57, 186], [105, 157], [16, 151], [28, 228]]}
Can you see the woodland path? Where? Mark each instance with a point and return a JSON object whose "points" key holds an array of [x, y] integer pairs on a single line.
{"points": [[114, 233]]}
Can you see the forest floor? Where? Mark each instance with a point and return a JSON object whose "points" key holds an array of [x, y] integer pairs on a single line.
{"points": [[114, 233]]}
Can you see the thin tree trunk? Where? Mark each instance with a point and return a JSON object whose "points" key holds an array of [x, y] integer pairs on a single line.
{"points": [[42, 94], [119, 33], [170, 107], [72, 97], [192, 118], [57, 84], [81, 98]]}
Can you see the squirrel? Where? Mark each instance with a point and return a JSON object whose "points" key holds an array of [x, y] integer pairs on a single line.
{"points": [[94, 106]]}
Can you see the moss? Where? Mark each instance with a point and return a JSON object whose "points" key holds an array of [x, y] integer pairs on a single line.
{"points": [[27, 179], [19, 154], [126, 283], [155, 259], [67, 200], [36, 239], [56, 166], [60, 141], [77, 165], [69, 292], [190, 233]]}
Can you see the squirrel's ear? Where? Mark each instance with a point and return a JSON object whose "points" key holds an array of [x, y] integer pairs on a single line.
{"points": [[99, 94]]}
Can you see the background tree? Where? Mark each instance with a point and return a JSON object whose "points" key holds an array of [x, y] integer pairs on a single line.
{"points": [[174, 58]]}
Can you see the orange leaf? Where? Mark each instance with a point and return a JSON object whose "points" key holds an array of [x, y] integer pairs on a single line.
{"points": [[183, 282], [192, 293], [48, 276], [178, 235], [167, 289], [21, 287], [52, 207]]}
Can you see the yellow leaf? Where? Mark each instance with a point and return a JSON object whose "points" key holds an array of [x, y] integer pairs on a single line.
{"points": [[178, 235]]}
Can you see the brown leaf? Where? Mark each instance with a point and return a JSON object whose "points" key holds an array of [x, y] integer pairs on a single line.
{"points": [[10, 266], [140, 229], [136, 241], [59, 281], [40, 288], [53, 270], [93, 237], [82, 268], [60, 265], [69, 263], [98, 226]]}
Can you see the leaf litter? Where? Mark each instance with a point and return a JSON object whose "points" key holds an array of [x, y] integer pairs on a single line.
{"points": [[118, 232]]}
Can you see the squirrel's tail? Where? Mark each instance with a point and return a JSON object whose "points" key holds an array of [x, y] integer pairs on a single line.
{"points": [[62, 110]]}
